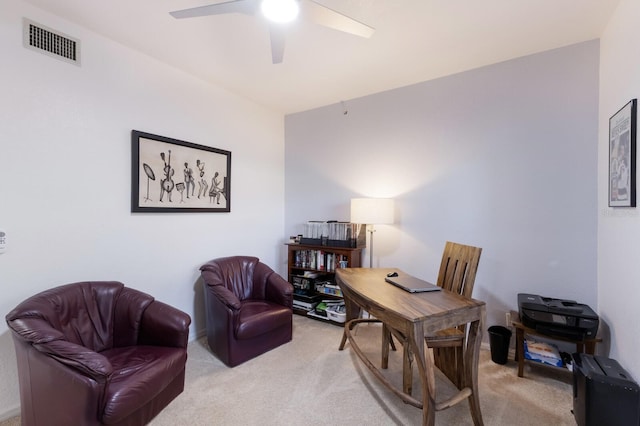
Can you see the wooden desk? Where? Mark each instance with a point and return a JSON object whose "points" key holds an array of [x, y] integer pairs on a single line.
{"points": [[414, 315], [583, 345]]}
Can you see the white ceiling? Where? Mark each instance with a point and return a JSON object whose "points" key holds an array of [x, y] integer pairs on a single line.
{"points": [[415, 40]]}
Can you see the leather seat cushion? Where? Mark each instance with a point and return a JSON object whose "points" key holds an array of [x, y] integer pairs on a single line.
{"points": [[258, 317], [135, 380]]}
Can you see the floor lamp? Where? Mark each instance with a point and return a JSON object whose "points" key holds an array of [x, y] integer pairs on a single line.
{"points": [[371, 212]]}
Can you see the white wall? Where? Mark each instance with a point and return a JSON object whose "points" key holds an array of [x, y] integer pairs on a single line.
{"points": [[65, 174], [619, 228], [502, 157]]}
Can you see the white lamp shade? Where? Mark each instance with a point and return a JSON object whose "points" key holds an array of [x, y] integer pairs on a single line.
{"points": [[372, 211]]}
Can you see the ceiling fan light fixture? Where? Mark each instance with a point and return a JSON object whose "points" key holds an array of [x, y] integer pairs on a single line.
{"points": [[280, 11]]}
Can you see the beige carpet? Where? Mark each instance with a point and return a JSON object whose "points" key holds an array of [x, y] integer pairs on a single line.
{"points": [[308, 381]]}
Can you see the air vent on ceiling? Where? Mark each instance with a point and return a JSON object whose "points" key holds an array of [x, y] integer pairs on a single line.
{"points": [[50, 42]]}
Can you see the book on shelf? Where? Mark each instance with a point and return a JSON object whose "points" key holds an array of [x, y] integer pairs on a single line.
{"points": [[320, 256], [305, 306], [304, 299], [327, 288], [306, 295], [321, 260]]}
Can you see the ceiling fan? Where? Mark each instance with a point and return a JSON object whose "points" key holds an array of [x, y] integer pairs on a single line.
{"points": [[289, 10]]}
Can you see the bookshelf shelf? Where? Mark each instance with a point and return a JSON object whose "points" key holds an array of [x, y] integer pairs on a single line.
{"points": [[582, 345], [309, 265]]}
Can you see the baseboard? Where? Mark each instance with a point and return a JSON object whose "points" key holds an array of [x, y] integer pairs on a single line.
{"points": [[487, 347], [199, 334], [10, 414]]}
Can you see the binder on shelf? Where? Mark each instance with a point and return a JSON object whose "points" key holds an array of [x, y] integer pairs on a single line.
{"points": [[334, 234]]}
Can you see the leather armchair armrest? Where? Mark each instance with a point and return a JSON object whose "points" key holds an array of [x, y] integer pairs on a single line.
{"points": [[34, 329], [79, 358], [225, 296], [164, 325], [48, 340], [279, 291]]}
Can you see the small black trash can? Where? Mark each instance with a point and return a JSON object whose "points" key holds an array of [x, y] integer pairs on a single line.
{"points": [[499, 338]]}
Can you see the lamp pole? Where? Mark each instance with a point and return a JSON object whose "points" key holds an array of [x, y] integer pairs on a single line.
{"points": [[371, 231], [372, 211]]}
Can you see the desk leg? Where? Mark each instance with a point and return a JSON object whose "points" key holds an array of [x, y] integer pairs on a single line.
{"points": [[353, 312], [407, 370], [470, 379], [386, 337], [424, 360], [520, 350]]}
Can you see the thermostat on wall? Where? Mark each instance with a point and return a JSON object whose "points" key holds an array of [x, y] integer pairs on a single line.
{"points": [[3, 241]]}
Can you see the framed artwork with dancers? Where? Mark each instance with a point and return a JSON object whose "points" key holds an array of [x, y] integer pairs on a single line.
{"points": [[173, 176]]}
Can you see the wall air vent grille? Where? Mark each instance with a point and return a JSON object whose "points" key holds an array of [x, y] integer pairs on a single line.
{"points": [[50, 42]]}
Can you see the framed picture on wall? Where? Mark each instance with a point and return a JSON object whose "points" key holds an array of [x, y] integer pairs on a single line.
{"points": [[622, 156], [174, 176]]}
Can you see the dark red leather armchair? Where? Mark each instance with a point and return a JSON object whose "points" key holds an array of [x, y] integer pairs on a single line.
{"points": [[249, 308], [95, 353]]}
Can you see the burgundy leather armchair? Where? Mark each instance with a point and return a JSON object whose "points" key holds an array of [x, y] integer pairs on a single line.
{"points": [[95, 353], [249, 308]]}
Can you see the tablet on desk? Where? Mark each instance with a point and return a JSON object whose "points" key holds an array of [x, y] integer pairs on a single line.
{"points": [[412, 284]]}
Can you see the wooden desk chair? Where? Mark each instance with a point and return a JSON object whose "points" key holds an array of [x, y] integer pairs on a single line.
{"points": [[457, 274]]}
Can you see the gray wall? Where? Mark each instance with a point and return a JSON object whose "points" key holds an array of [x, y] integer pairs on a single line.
{"points": [[503, 157], [65, 175], [618, 228]]}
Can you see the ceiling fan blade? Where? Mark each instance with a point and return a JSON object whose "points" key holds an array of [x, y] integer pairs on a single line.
{"points": [[322, 15], [277, 35], [248, 7]]}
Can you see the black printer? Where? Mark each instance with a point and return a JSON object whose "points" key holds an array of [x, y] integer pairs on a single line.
{"points": [[558, 317]]}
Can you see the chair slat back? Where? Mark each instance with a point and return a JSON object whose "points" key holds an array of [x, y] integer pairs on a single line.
{"points": [[458, 268]]}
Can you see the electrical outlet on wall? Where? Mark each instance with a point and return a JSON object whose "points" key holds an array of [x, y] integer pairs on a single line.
{"points": [[507, 318]]}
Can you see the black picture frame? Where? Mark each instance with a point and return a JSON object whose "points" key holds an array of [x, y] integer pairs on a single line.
{"points": [[622, 156], [173, 176]]}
